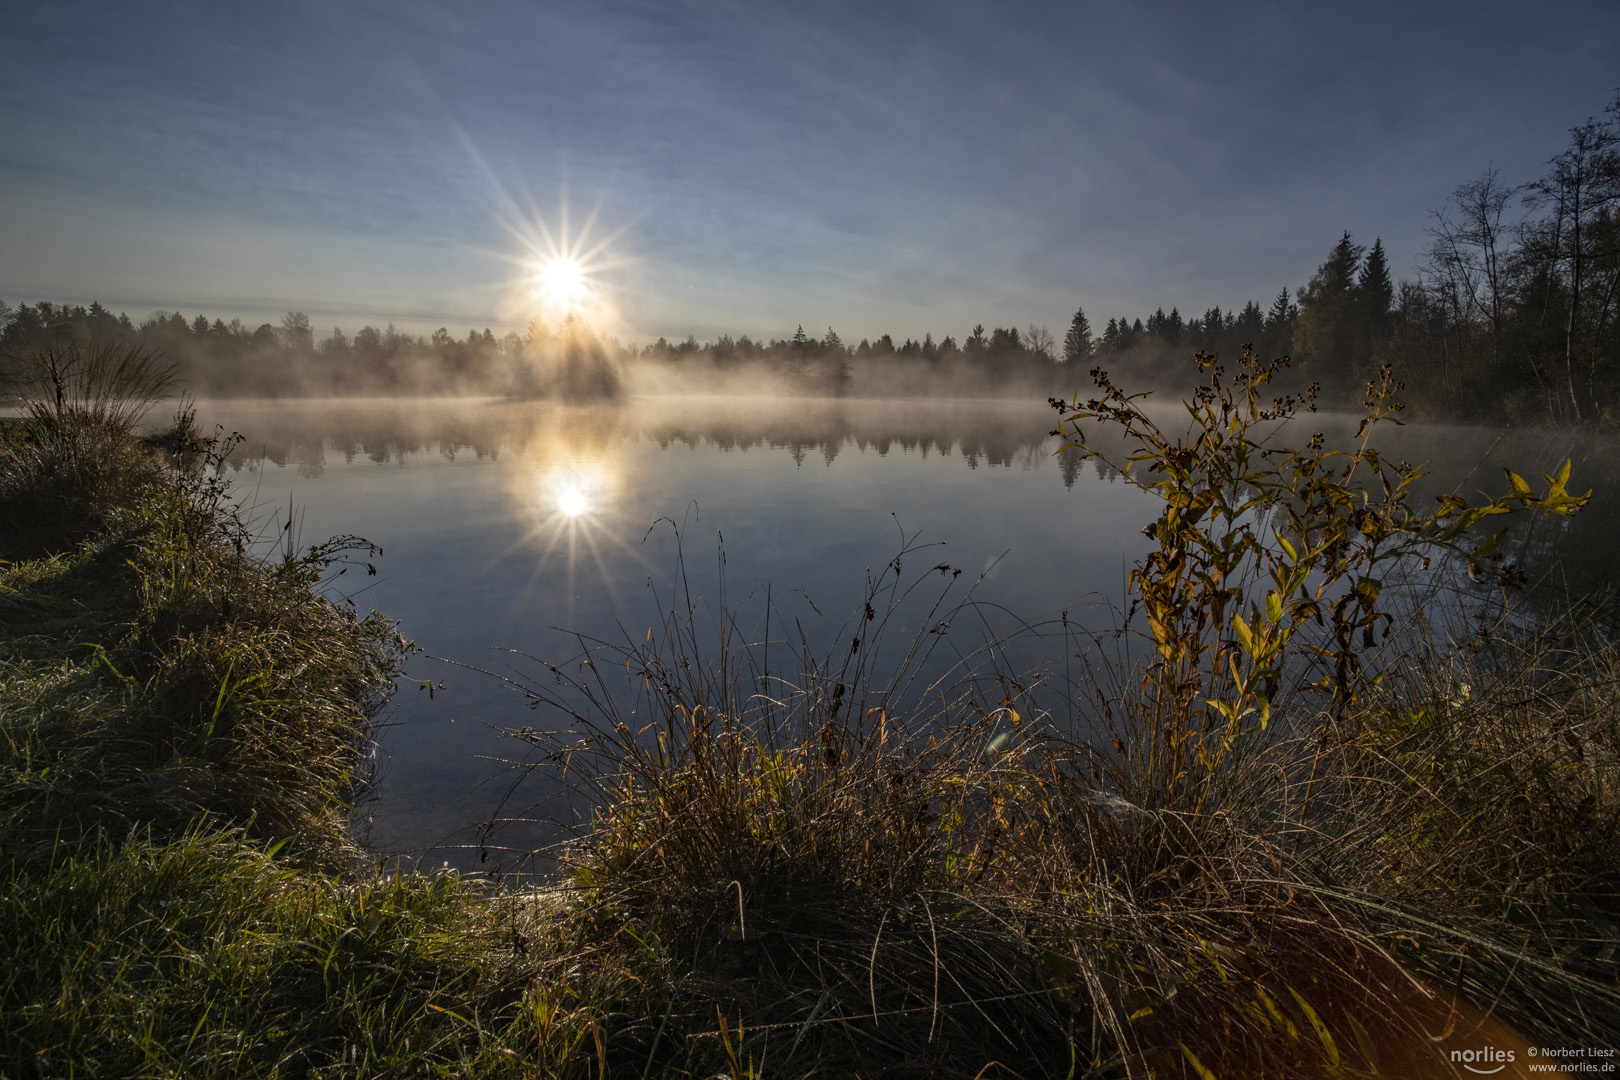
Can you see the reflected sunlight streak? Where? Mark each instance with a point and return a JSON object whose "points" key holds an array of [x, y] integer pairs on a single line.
{"points": [[571, 493]]}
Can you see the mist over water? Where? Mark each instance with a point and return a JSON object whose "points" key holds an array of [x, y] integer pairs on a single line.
{"points": [[535, 526]]}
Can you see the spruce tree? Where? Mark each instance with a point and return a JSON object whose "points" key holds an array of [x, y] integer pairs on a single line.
{"points": [[1077, 342], [1282, 313], [1279, 326], [1375, 292], [1173, 327], [1328, 331]]}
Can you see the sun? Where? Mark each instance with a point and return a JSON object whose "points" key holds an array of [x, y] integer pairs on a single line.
{"points": [[564, 269], [561, 282]]}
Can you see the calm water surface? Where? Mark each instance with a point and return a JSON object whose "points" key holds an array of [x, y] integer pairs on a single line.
{"points": [[506, 526]]}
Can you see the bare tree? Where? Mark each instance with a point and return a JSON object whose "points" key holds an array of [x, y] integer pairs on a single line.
{"points": [[1583, 184], [1466, 254], [1039, 340]]}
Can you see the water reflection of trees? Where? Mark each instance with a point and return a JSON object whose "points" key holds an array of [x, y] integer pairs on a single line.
{"points": [[1572, 553], [306, 435]]}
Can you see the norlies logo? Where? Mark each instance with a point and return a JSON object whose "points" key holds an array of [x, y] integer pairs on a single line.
{"points": [[1485, 1062]]}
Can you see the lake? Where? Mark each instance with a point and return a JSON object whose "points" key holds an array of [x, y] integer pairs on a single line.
{"points": [[526, 527]]}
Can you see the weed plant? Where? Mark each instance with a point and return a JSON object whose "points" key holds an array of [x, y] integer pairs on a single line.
{"points": [[80, 403]]}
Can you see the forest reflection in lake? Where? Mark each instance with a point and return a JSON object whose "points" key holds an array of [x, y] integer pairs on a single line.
{"points": [[528, 526]]}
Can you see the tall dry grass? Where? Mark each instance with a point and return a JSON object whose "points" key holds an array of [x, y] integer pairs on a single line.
{"points": [[74, 462], [803, 882]]}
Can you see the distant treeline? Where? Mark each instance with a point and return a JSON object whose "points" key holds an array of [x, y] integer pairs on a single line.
{"points": [[219, 358], [1514, 314]]}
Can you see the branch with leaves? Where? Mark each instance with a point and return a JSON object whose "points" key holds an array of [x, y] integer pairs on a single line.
{"points": [[1257, 541]]}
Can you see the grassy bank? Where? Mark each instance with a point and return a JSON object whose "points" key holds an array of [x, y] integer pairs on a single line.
{"points": [[806, 873], [184, 726]]}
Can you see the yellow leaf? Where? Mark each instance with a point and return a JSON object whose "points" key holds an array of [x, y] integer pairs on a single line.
{"points": [[1244, 635], [1198, 1066], [1160, 632], [1321, 1029]]}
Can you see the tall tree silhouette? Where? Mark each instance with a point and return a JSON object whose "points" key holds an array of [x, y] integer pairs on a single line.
{"points": [[1375, 293], [1077, 343], [1582, 190], [1327, 333]]}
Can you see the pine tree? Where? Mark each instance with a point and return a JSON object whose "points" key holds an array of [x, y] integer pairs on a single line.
{"points": [[1250, 323], [1328, 332], [1278, 326], [1375, 292], [1077, 344], [1282, 314], [1173, 327]]}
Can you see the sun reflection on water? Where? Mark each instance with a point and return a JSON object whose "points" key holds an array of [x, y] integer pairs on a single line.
{"points": [[571, 501], [569, 494]]}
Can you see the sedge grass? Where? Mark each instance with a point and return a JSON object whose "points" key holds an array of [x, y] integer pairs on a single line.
{"points": [[1364, 887]]}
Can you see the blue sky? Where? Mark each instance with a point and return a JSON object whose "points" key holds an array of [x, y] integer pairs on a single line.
{"points": [[896, 167]]}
